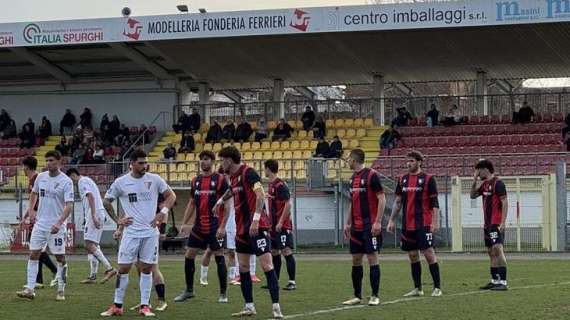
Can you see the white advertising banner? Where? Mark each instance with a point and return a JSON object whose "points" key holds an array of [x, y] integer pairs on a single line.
{"points": [[286, 21]]}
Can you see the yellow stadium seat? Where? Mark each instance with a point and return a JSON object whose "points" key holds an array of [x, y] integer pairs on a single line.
{"points": [[258, 155], [297, 154], [299, 164], [294, 145], [292, 124], [253, 124], [171, 167], [307, 154], [302, 134], [181, 167], [277, 155], [350, 133], [300, 174], [208, 146], [204, 127], [180, 157], [271, 125], [190, 157], [368, 123], [265, 145], [313, 145], [287, 154], [255, 146], [329, 123], [227, 144], [246, 146], [191, 167], [275, 145], [217, 147], [285, 145], [353, 144], [183, 176], [358, 123], [298, 124], [286, 164], [161, 168], [153, 167], [248, 156], [172, 177], [199, 147], [331, 133], [197, 137], [305, 145], [341, 133], [339, 123], [267, 155], [360, 133], [349, 123]]}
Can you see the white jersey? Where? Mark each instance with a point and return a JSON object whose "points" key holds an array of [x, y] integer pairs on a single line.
{"points": [[53, 193], [139, 197], [87, 186], [231, 224]]}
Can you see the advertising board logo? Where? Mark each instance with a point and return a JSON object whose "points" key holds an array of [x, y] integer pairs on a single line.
{"points": [[300, 20], [33, 34], [134, 29], [558, 8], [512, 10], [30, 30]]}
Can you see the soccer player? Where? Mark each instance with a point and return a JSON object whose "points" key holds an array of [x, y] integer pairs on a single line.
{"points": [[495, 208], [138, 193], [278, 197], [94, 219], [55, 192], [364, 225], [207, 231], [252, 228], [30, 165], [416, 193]]}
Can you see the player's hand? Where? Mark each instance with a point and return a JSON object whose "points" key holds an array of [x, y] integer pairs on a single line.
{"points": [[254, 229], [54, 229], [476, 175], [185, 230], [376, 229], [501, 227], [97, 223], [268, 196], [215, 209], [434, 228], [221, 233], [391, 226], [32, 214], [125, 221], [346, 231], [117, 234], [158, 220], [278, 227]]}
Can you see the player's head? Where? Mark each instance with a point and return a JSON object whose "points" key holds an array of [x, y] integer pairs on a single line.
{"points": [[485, 169], [207, 159], [73, 173], [30, 164], [271, 167], [355, 159], [138, 161], [53, 160], [230, 157], [414, 161]]}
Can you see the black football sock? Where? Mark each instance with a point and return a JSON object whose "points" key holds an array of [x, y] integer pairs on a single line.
{"points": [[273, 285], [189, 269], [222, 273], [434, 270], [291, 267], [357, 274], [40, 276], [494, 273], [277, 265], [375, 279], [45, 259], [502, 273], [160, 291], [417, 274], [246, 289]]}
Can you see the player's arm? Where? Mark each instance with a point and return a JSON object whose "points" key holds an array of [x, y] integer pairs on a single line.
{"points": [[285, 216], [259, 203], [348, 222], [108, 205], [188, 219], [222, 228], [376, 187], [91, 201], [396, 207], [66, 213], [225, 197], [30, 213], [475, 191], [433, 204], [169, 201], [501, 191]]}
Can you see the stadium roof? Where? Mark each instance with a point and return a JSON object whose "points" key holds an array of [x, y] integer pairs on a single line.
{"points": [[506, 44]]}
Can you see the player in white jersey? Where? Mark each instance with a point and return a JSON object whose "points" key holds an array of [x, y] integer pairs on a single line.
{"points": [[94, 219], [55, 192], [138, 193]]}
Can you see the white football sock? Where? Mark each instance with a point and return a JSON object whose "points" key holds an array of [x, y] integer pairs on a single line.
{"points": [[93, 264], [232, 273], [203, 272], [33, 266], [101, 258], [145, 285], [121, 289], [61, 276]]}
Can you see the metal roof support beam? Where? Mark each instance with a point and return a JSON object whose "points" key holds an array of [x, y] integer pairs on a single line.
{"points": [[403, 88], [378, 95], [142, 60], [305, 91], [504, 85], [232, 95], [481, 92], [42, 63]]}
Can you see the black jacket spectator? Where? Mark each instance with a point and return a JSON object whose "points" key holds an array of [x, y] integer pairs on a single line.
{"points": [[45, 128], [229, 131], [335, 148], [215, 133], [104, 122], [319, 128], [187, 144], [402, 118], [453, 117], [4, 119], [432, 116], [68, 121], [194, 121], [183, 123], [30, 125], [389, 138], [282, 131], [125, 131], [10, 131], [114, 126], [308, 118], [169, 152], [261, 131], [243, 131], [85, 119], [62, 147], [88, 156], [525, 114], [323, 149], [27, 137]]}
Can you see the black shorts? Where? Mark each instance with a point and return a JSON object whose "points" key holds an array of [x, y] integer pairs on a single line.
{"points": [[257, 245], [282, 240], [364, 242], [416, 240], [202, 241], [493, 236]]}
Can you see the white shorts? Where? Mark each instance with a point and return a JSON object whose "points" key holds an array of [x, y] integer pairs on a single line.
{"points": [[144, 250], [91, 233], [55, 242], [231, 240]]}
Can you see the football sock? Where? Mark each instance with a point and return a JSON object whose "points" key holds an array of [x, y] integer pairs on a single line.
{"points": [[357, 274]]}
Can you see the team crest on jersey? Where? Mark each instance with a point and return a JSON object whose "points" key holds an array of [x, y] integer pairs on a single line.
{"points": [[362, 182], [148, 184], [420, 181], [405, 180], [213, 183]]}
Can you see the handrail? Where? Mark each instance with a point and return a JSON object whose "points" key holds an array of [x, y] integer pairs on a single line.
{"points": [[142, 135]]}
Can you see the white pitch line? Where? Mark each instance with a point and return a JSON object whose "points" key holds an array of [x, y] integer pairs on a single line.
{"points": [[467, 293]]}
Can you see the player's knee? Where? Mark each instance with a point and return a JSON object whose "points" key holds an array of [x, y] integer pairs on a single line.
{"points": [[372, 259], [60, 259], [356, 260], [287, 252], [414, 256], [274, 252], [35, 255], [220, 260]]}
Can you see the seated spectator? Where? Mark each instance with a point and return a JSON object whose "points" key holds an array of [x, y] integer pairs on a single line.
{"points": [[187, 144], [389, 138], [194, 121], [45, 128], [525, 114], [565, 131], [169, 152], [125, 131], [282, 131], [215, 133], [77, 155], [62, 147], [10, 130], [183, 123], [432, 116], [229, 131], [99, 154], [114, 126], [4, 119], [402, 118], [261, 131], [243, 131], [323, 149], [104, 122], [335, 148], [120, 140], [88, 156], [85, 118], [308, 119], [67, 122], [30, 125], [454, 117], [319, 128], [27, 137]]}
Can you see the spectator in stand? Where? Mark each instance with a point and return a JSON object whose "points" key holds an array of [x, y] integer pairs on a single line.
{"points": [[104, 122], [283, 131], [454, 117], [432, 116], [78, 154], [45, 128], [335, 148], [215, 133], [183, 123], [525, 114], [229, 131], [117, 166], [114, 126], [169, 152], [389, 138], [261, 131], [565, 131], [308, 118], [62, 147], [30, 125], [67, 122], [323, 149], [187, 144], [10, 131], [403, 117], [125, 131], [194, 121], [243, 131], [99, 154], [27, 137], [319, 128], [146, 132], [88, 156], [85, 118], [4, 119]]}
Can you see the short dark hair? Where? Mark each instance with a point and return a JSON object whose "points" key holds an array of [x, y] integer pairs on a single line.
{"points": [[53, 153], [136, 154], [71, 171], [415, 155], [30, 162], [230, 152], [485, 164], [272, 165], [357, 155], [207, 154]]}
